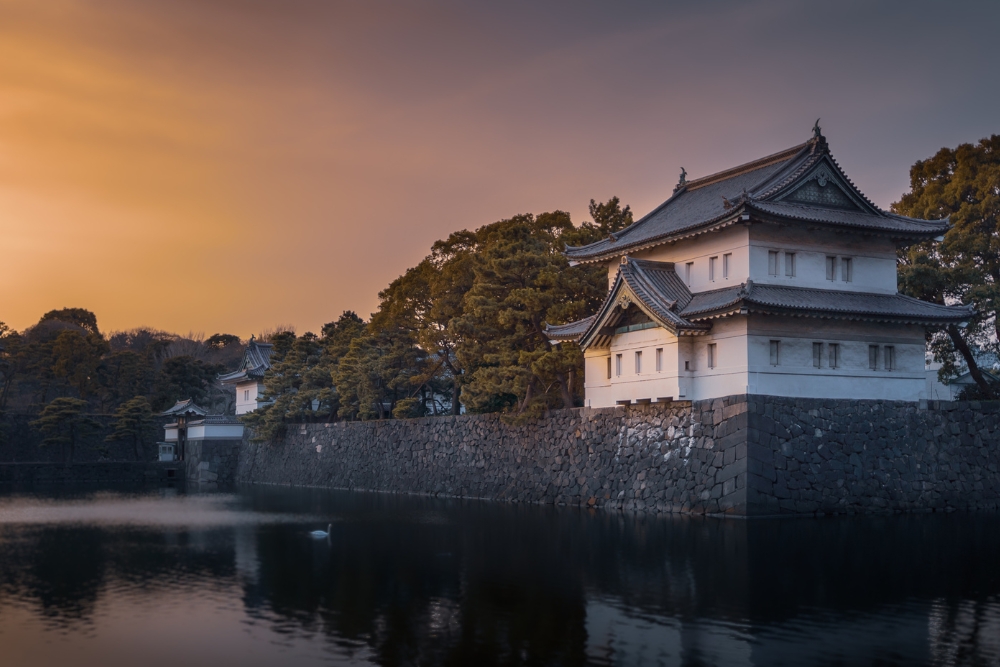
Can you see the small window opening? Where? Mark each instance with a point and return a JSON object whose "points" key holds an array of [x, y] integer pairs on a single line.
{"points": [[687, 365], [638, 362], [726, 261], [834, 355], [712, 261], [609, 368], [873, 357], [659, 359], [618, 365], [790, 264], [831, 268], [772, 262], [775, 352], [890, 358], [688, 268], [846, 269], [818, 355], [712, 359]]}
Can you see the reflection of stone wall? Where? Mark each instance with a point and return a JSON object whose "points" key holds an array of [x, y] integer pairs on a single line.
{"points": [[754, 455]]}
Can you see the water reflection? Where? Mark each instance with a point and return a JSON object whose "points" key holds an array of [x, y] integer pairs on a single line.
{"points": [[234, 579]]}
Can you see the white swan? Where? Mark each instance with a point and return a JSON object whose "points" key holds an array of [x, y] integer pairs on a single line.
{"points": [[320, 534]]}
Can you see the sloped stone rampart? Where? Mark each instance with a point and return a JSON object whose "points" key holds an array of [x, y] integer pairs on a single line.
{"points": [[837, 456], [667, 458]]}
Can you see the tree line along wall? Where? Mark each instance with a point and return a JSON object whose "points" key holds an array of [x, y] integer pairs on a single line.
{"points": [[739, 455], [22, 443]]}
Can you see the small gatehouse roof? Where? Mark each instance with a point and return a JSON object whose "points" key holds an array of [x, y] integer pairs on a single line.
{"points": [[185, 407]]}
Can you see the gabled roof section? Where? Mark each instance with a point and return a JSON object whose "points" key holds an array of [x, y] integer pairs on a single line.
{"points": [[827, 304], [653, 287], [801, 184], [570, 332], [185, 407], [256, 361]]}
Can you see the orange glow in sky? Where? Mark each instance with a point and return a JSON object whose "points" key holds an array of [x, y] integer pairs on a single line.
{"points": [[215, 166]]}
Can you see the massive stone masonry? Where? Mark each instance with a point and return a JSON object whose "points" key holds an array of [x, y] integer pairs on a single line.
{"points": [[740, 455]]}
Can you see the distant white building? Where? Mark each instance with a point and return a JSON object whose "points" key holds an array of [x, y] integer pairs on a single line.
{"points": [[249, 377], [775, 277], [989, 366]]}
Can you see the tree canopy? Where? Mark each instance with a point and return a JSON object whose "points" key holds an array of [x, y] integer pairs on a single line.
{"points": [[963, 183]]}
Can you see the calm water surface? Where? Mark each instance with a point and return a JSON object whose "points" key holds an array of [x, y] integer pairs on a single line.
{"points": [[234, 579]]}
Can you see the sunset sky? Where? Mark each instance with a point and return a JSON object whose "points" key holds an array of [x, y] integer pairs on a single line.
{"points": [[228, 166]]}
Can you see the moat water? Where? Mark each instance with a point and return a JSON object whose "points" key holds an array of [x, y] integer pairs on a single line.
{"points": [[168, 578]]}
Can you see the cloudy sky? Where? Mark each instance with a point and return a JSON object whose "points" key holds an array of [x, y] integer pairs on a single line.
{"points": [[231, 165]]}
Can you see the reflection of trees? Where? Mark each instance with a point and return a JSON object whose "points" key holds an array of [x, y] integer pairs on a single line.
{"points": [[65, 569], [430, 582]]}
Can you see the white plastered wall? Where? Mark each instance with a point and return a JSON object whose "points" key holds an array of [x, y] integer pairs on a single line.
{"points": [[247, 395], [873, 259], [649, 383], [733, 240], [795, 375]]}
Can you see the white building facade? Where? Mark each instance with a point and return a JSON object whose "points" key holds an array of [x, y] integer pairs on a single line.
{"points": [[777, 277], [249, 377]]}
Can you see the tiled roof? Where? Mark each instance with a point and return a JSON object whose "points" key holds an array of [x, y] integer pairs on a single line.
{"points": [[758, 188], [822, 303], [571, 331], [185, 407], [256, 361], [655, 288], [216, 420]]}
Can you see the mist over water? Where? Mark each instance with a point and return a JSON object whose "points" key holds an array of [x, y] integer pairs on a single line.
{"points": [[234, 579]]}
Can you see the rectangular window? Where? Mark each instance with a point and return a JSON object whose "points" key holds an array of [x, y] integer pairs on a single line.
{"points": [[687, 365], [873, 357], [618, 365], [890, 358], [790, 264], [659, 359], [834, 355], [609, 368], [687, 273], [246, 395], [726, 260], [818, 355], [712, 261], [711, 355], [831, 268], [638, 362], [846, 269], [772, 262], [775, 352]]}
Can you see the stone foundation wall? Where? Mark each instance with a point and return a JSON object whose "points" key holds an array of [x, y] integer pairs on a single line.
{"points": [[211, 461], [836, 456], [742, 455], [673, 458]]}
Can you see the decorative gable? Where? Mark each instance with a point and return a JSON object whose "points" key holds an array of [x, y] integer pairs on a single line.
{"points": [[823, 187]]}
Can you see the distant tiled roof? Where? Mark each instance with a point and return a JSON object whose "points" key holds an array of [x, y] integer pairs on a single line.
{"points": [[571, 331], [256, 361], [775, 186], [822, 303], [216, 420], [185, 407]]}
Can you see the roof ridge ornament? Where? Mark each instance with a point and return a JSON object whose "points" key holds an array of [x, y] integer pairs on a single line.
{"points": [[683, 180], [818, 140]]}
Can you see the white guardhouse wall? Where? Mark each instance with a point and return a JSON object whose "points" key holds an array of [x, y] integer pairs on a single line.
{"points": [[215, 432], [873, 259], [795, 375], [247, 394], [734, 240], [729, 376], [647, 383]]}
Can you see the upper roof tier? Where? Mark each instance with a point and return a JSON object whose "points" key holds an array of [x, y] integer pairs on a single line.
{"points": [[256, 361], [802, 184]]}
